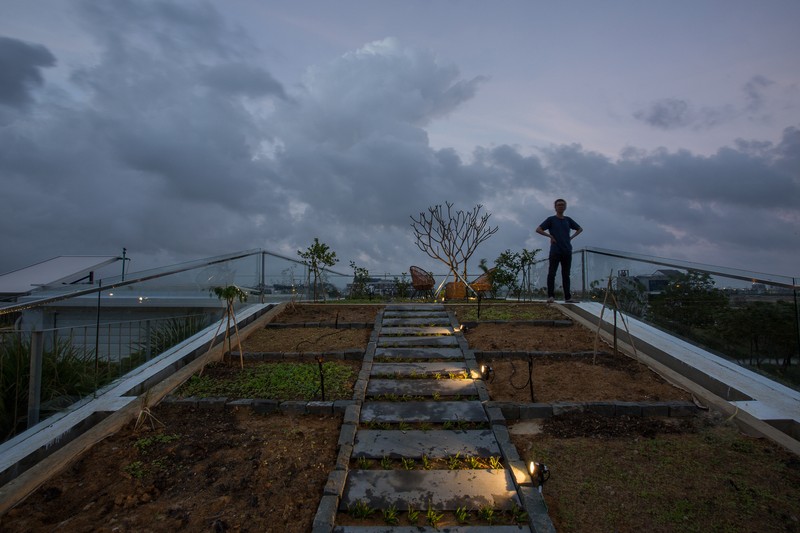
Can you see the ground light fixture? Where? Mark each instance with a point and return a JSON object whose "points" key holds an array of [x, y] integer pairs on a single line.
{"points": [[539, 472], [487, 373]]}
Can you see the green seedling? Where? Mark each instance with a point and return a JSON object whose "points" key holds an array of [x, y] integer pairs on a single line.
{"points": [[496, 462], [408, 463], [487, 513], [390, 515], [454, 461], [404, 426], [462, 515], [386, 463], [426, 463], [413, 515], [473, 462], [432, 517], [425, 426], [360, 510], [145, 443], [363, 463], [135, 469]]}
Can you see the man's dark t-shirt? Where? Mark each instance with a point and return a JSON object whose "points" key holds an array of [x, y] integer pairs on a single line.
{"points": [[560, 229]]}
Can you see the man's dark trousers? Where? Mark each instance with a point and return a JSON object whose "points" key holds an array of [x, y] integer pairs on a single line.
{"points": [[565, 260]]}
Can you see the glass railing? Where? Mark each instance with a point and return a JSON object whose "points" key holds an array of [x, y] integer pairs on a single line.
{"points": [[750, 318], [89, 334]]}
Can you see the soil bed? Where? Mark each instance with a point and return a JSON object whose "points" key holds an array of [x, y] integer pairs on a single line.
{"points": [[232, 470], [204, 470], [581, 377]]}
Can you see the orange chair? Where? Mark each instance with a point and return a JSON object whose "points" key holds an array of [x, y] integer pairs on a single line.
{"points": [[483, 283]]}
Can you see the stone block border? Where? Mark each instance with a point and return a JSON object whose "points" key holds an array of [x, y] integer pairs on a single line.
{"points": [[334, 325], [335, 407], [305, 357]]}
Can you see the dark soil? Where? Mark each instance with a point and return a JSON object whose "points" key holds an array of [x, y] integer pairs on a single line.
{"points": [[236, 471]]}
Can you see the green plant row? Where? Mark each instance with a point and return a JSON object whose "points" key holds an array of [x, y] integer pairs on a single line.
{"points": [[485, 515], [423, 375], [452, 462], [279, 381]]}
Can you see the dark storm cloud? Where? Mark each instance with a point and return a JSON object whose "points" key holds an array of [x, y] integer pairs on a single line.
{"points": [[754, 92], [730, 199], [20, 70], [178, 143], [666, 114], [246, 80], [352, 138], [676, 113]]}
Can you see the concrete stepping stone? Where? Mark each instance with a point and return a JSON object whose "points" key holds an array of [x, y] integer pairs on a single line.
{"points": [[422, 387], [436, 444], [418, 353], [433, 412], [404, 342], [416, 330], [443, 490], [411, 322], [404, 370]]}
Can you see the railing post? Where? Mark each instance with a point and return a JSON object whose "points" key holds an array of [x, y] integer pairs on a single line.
{"points": [[263, 283], [35, 381], [584, 272], [148, 352], [796, 319]]}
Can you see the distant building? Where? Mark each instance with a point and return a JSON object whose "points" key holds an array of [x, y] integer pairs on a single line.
{"points": [[657, 282]]}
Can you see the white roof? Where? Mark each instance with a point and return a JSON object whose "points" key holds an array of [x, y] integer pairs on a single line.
{"points": [[59, 270]]}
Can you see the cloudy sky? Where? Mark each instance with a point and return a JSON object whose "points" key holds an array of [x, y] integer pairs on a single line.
{"points": [[187, 129]]}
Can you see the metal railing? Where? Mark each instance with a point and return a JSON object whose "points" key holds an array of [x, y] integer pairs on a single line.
{"points": [[60, 344], [752, 318]]}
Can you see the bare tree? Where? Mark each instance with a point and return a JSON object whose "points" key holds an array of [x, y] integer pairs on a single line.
{"points": [[452, 236]]}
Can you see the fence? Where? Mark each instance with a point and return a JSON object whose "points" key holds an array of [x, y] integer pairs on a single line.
{"points": [[60, 344], [749, 317]]}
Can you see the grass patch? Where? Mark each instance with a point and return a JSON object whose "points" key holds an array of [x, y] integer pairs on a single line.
{"points": [[279, 381]]}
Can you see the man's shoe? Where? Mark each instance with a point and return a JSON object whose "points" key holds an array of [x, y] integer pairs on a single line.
{"points": [[551, 300]]}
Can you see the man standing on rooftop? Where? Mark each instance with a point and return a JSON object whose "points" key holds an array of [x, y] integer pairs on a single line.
{"points": [[559, 227]]}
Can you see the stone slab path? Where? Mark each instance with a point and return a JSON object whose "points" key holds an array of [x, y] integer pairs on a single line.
{"points": [[420, 398]]}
